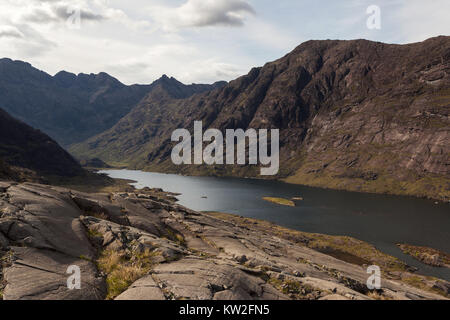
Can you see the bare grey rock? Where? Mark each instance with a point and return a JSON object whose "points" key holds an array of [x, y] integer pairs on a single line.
{"points": [[44, 230], [198, 279], [42, 275], [143, 289], [334, 297]]}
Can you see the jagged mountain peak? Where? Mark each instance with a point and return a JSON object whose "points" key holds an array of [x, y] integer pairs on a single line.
{"points": [[173, 88], [73, 107]]}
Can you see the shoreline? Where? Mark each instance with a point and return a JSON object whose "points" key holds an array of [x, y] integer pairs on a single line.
{"points": [[286, 180], [426, 269], [129, 187], [273, 200]]}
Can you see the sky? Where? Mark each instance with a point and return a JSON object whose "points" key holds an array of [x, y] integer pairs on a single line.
{"points": [[198, 41]]}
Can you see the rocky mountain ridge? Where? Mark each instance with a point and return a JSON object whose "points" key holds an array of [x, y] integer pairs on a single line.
{"points": [[355, 115], [72, 108]]}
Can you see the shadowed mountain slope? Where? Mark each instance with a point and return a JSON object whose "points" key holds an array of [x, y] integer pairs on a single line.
{"points": [[25, 148]]}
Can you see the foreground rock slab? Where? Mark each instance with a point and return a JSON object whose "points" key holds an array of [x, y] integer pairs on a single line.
{"points": [[143, 246]]}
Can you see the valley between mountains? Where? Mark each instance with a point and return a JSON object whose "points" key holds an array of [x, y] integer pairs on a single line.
{"points": [[353, 115]]}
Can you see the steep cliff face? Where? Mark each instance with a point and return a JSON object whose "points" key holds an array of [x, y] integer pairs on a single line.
{"points": [[389, 129], [355, 115], [23, 148]]}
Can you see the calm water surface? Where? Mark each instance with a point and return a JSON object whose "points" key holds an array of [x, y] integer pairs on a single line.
{"points": [[380, 220]]}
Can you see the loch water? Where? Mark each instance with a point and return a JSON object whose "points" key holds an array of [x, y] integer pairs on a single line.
{"points": [[381, 220]]}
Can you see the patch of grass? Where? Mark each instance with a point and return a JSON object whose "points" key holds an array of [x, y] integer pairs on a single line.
{"points": [[94, 183], [433, 187], [98, 215], [275, 282], [292, 287], [354, 251], [422, 283], [427, 255], [176, 237], [122, 269], [280, 201], [5, 261], [83, 257], [414, 281], [295, 289], [377, 295], [94, 234]]}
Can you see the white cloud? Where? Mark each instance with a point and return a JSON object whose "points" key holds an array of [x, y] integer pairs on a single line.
{"points": [[203, 13], [419, 20], [10, 32], [211, 70], [195, 40], [29, 42], [270, 35], [184, 61], [56, 11], [64, 10]]}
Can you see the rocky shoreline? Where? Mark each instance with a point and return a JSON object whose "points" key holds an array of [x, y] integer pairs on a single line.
{"points": [[142, 245], [427, 255]]}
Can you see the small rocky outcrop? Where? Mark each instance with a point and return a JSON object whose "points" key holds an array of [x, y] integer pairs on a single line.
{"points": [[142, 245], [427, 255]]}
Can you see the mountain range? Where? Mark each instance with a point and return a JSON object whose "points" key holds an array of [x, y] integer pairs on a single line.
{"points": [[72, 108], [354, 115]]}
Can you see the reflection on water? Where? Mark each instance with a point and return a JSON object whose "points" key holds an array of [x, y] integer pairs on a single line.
{"points": [[380, 220]]}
